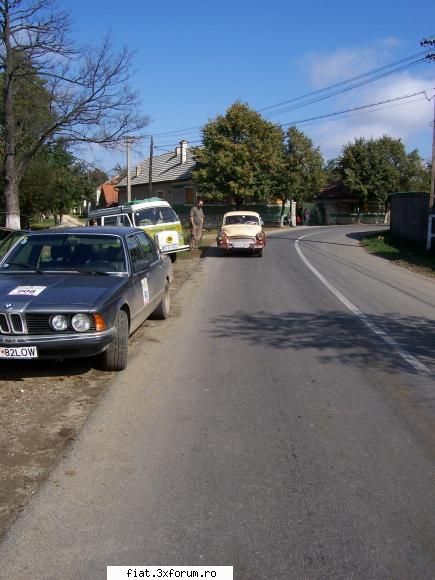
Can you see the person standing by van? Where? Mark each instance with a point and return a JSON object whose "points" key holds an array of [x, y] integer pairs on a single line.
{"points": [[196, 223]]}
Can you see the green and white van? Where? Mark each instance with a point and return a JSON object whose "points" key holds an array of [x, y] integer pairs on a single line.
{"points": [[153, 215]]}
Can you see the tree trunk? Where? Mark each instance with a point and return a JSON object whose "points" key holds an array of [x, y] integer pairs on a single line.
{"points": [[12, 205], [10, 172]]}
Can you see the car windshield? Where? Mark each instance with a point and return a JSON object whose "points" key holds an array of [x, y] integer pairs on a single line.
{"points": [[67, 252], [155, 215], [7, 240], [231, 220]]}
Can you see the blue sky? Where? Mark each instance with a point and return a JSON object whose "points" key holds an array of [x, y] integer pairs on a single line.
{"points": [[194, 59]]}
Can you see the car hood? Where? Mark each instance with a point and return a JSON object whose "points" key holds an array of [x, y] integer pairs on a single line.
{"points": [[45, 291], [241, 230]]}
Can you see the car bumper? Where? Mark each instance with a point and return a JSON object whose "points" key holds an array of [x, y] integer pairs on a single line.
{"points": [[175, 249], [241, 244], [62, 346]]}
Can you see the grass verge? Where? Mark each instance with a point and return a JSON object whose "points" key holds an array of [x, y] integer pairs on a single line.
{"points": [[407, 254]]}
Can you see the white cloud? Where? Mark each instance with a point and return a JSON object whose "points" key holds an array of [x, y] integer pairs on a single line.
{"points": [[407, 119], [325, 70]]}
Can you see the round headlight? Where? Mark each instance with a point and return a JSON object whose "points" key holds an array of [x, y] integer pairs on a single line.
{"points": [[59, 322], [81, 322]]}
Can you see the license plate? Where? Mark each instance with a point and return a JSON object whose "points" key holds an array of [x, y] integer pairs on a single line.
{"points": [[18, 352], [170, 247], [241, 244]]}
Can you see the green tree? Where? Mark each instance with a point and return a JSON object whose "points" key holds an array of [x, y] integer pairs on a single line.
{"points": [[300, 174], [372, 169], [239, 156], [56, 183], [97, 177]]}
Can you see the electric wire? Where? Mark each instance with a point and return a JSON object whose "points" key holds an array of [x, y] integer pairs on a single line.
{"points": [[329, 91]]}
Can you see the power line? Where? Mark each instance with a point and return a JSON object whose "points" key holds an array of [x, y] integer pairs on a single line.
{"points": [[355, 78], [341, 91], [318, 95], [327, 115], [355, 114]]}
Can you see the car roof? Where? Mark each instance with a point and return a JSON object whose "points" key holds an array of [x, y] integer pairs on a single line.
{"points": [[241, 212], [103, 230]]}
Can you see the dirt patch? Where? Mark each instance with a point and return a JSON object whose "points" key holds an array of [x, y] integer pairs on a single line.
{"points": [[43, 406]]}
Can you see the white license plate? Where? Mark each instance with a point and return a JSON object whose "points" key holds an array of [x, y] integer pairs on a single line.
{"points": [[18, 352], [240, 244], [170, 247]]}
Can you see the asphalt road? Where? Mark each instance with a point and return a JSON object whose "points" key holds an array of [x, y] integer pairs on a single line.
{"points": [[283, 425]]}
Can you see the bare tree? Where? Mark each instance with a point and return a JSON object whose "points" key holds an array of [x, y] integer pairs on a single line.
{"points": [[86, 93]]}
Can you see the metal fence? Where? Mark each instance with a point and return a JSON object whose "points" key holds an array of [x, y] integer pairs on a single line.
{"points": [[409, 216]]}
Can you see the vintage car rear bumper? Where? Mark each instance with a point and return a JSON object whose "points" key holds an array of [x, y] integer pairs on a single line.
{"points": [[62, 345], [241, 244]]}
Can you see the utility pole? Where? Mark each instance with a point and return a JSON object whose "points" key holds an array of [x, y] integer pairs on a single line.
{"points": [[431, 56], [127, 143], [150, 169]]}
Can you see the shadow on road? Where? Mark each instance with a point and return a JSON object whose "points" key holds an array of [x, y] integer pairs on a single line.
{"points": [[334, 336], [213, 252]]}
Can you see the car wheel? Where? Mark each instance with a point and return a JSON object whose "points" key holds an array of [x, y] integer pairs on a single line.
{"points": [[173, 257], [163, 309], [115, 357], [260, 253]]}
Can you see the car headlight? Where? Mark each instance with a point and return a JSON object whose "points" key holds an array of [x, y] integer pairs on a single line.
{"points": [[59, 322], [81, 322]]}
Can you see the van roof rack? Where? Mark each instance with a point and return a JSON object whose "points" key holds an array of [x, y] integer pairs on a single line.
{"points": [[148, 199]]}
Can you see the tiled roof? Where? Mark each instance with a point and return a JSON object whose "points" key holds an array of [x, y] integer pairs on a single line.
{"points": [[166, 167], [109, 193]]}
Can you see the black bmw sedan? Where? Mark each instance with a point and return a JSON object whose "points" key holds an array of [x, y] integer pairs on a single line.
{"points": [[80, 292]]}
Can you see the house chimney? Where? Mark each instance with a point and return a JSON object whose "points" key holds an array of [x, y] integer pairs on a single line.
{"points": [[183, 151], [137, 170]]}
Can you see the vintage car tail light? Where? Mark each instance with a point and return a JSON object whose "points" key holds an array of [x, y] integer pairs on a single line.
{"points": [[261, 236], [222, 236], [59, 322], [81, 322]]}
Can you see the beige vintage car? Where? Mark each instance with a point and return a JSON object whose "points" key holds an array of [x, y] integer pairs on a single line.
{"points": [[242, 230]]}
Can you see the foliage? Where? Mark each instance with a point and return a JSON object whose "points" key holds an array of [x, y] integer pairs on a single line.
{"points": [[372, 169], [300, 174], [55, 183], [97, 177], [240, 153]]}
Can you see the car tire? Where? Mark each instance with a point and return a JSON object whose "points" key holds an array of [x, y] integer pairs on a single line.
{"points": [[114, 358], [260, 253], [173, 257], [164, 308]]}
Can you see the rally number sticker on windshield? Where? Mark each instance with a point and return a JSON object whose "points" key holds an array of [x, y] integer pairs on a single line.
{"points": [[145, 291], [27, 290]]}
